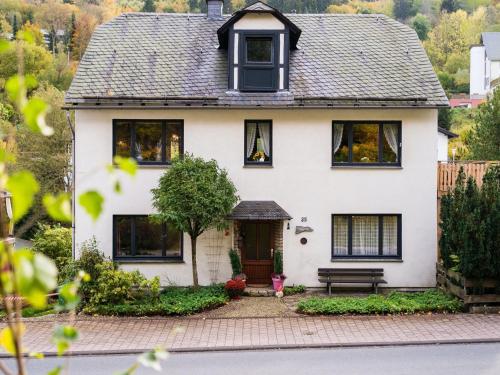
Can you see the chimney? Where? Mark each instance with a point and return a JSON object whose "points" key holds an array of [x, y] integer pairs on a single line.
{"points": [[214, 11]]}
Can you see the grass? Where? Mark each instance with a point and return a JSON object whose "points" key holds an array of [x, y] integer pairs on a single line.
{"points": [[172, 301], [295, 289], [31, 312], [394, 303]]}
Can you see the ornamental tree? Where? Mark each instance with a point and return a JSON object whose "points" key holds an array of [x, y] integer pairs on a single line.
{"points": [[194, 195]]}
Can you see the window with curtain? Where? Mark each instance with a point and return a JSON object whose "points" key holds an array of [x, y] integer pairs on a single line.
{"points": [[366, 143], [258, 142], [366, 236], [148, 141], [136, 237]]}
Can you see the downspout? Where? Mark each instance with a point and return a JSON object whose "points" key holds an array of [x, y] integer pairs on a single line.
{"points": [[73, 159]]}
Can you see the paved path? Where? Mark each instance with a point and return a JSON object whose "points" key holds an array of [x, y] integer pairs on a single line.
{"points": [[185, 334], [466, 359]]}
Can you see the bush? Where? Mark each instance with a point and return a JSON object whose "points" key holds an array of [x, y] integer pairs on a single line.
{"points": [[172, 301], [54, 242], [235, 262], [235, 288], [470, 224], [394, 303], [278, 263], [291, 290]]}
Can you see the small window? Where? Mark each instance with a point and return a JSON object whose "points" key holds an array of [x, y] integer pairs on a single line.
{"points": [[148, 141], [138, 238], [366, 236], [366, 143], [258, 142], [259, 50]]}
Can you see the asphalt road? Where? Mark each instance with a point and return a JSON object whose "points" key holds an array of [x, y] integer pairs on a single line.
{"points": [[469, 359]]}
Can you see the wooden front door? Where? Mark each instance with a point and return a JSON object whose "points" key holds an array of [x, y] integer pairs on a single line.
{"points": [[257, 257]]}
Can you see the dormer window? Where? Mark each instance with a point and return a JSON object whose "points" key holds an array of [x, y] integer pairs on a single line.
{"points": [[258, 71]]}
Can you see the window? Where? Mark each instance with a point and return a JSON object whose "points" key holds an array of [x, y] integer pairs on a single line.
{"points": [[366, 143], [366, 236], [138, 238], [259, 68], [148, 141], [258, 142]]}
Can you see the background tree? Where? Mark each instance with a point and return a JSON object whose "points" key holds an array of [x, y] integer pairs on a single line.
{"points": [[450, 6], [149, 6], [484, 141], [404, 9], [194, 195], [421, 25], [15, 26]]}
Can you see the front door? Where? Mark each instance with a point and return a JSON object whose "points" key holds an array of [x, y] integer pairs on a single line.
{"points": [[257, 256]]}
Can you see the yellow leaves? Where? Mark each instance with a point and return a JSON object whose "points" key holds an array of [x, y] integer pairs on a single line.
{"points": [[7, 338]]}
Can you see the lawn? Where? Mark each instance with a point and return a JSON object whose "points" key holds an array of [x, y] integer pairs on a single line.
{"points": [[172, 301], [31, 312], [394, 303]]}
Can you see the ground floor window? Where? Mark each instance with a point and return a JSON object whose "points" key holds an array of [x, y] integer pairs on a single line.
{"points": [[136, 237], [366, 236]]}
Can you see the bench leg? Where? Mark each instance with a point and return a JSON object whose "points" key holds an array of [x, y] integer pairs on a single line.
{"points": [[376, 288], [329, 286]]}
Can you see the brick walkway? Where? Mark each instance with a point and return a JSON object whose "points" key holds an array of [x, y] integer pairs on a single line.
{"points": [[134, 335]]}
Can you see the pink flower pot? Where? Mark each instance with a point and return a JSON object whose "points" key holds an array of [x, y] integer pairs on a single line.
{"points": [[278, 283]]}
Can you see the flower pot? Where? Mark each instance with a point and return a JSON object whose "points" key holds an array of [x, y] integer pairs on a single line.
{"points": [[278, 283]]}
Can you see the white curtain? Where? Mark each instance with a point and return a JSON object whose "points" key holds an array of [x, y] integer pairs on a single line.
{"points": [[391, 135], [265, 136], [251, 133], [390, 239], [340, 235], [365, 235], [338, 129]]}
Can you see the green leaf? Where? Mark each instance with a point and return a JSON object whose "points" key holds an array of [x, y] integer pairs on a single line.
{"points": [[127, 165], [4, 45], [152, 358], [34, 115], [63, 336], [36, 355], [7, 339], [23, 187], [58, 207], [92, 202], [55, 371], [69, 296], [16, 90], [117, 187]]}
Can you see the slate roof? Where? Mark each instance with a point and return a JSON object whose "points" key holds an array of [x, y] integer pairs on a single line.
{"points": [[259, 210], [491, 41], [175, 59]]}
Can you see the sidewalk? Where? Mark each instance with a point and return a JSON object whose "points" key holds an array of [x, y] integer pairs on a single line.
{"points": [[131, 335]]}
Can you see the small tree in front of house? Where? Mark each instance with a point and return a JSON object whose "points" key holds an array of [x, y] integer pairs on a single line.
{"points": [[194, 195]]}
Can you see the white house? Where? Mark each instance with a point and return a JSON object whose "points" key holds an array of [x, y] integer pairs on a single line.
{"points": [[444, 136], [485, 65], [321, 120]]}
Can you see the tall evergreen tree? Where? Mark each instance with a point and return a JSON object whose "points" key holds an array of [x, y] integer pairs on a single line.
{"points": [[149, 6], [15, 27], [484, 141], [404, 9], [70, 33], [450, 6]]}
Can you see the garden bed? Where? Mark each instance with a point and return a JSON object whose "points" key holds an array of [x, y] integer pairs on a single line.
{"points": [[394, 303], [172, 301]]}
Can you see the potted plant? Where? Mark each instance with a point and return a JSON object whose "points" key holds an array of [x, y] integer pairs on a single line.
{"points": [[235, 288], [278, 276], [236, 266]]}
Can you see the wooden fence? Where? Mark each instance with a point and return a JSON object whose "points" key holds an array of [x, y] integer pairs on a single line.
{"points": [[448, 172]]}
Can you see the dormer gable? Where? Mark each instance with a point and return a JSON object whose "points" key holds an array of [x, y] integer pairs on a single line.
{"points": [[258, 39]]}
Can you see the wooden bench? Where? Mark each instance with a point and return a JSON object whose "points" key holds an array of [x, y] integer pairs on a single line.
{"points": [[373, 276]]}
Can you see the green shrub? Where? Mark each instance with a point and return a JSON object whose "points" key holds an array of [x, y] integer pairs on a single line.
{"points": [[295, 289], [234, 257], [278, 262], [54, 242], [394, 303], [172, 301], [470, 224]]}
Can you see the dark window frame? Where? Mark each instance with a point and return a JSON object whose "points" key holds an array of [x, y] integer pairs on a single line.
{"points": [[399, 254], [349, 126], [133, 258], [244, 65], [164, 124], [257, 163]]}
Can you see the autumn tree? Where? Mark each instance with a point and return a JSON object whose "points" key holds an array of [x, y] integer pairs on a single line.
{"points": [[85, 26]]}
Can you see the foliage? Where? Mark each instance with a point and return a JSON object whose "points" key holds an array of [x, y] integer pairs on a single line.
{"points": [[172, 301], [361, 7], [278, 262], [234, 257], [444, 118], [295, 289], [394, 303], [55, 242], [235, 288], [450, 6], [484, 141], [470, 226], [149, 6], [422, 25], [118, 287], [404, 9], [194, 195]]}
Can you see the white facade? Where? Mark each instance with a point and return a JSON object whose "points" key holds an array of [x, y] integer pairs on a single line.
{"points": [[301, 181], [442, 147], [482, 72]]}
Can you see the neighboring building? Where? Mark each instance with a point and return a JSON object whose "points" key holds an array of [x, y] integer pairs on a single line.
{"points": [[464, 101], [444, 136], [485, 65], [321, 120]]}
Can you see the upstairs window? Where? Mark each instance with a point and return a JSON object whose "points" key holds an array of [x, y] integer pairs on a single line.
{"points": [[148, 141], [259, 68], [366, 143], [258, 142]]}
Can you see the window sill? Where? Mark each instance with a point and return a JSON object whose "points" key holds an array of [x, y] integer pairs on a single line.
{"points": [[347, 166], [149, 166], [361, 260], [136, 261], [258, 166]]}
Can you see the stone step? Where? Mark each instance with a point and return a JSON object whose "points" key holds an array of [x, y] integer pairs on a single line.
{"points": [[259, 292]]}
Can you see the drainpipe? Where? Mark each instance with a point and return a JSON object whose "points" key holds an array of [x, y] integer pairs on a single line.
{"points": [[73, 158]]}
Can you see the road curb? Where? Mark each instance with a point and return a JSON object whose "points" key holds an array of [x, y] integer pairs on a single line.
{"points": [[77, 353]]}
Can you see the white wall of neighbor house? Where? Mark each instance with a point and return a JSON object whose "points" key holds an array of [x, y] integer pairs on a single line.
{"points": [[442, 147], [301, 180], [477, 71]]}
